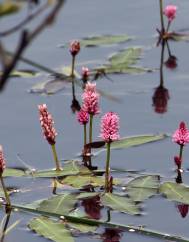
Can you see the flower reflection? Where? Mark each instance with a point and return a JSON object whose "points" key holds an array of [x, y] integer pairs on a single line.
{"points": [[111, 235], [92, 207], [181, 207], [75, 106], [160, 99], [171, 62]]}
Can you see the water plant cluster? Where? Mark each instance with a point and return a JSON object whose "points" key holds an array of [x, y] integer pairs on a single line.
{"points": [[77, 209]]}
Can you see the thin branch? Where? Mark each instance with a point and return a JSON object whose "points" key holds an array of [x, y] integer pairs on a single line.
{"points": [[26, 39], [24, 22]]}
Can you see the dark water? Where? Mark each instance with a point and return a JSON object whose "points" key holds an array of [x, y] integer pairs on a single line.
{"points": [[20, 131]]}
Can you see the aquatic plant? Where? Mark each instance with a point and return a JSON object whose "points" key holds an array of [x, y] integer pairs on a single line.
{"points": [[2, 168], [109, 133], [181, 137], [49, 132]]}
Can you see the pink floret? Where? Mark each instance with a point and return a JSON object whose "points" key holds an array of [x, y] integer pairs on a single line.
{"points": [[181, 135], [47, 123], [170, 12], [110, 127]]}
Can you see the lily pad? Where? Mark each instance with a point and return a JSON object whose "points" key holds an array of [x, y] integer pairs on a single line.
{"points": [[94, 41], [50, 229], [175, 192], [121, 204]]}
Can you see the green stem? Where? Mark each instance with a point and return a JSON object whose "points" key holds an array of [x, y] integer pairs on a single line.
{"points": [[85, 134], [5, 226], [107, 173], [161, 15], [8, 203], [73, 66], [91, 128], [168, 26], [161, 63], [181, 151], [57, 163]]}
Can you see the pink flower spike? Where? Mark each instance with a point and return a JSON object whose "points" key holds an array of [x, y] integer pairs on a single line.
{"points": [[91, 99], [170, 12], [181, 135], [82, 117], [47, 123], [110, 127], [2, 160], [74, 47]]}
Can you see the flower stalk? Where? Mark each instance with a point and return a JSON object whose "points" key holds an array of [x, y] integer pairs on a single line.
{"points": [[57, 163], [91, 128], [107, 173]]}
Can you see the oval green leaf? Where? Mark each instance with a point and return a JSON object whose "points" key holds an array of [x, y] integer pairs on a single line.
{"points": [[121, 204], [50, 229], [175, 192]]}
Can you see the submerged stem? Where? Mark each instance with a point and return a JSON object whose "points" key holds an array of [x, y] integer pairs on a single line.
{"points": [[57, 163], [107, 174], [8, 203]]}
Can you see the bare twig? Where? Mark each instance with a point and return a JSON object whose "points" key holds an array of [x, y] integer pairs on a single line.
{"points": [[26, 39], [24, 22]]}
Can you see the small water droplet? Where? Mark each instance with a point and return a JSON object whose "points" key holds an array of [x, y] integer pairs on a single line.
{"points": [[62, 217], [131, 230], [123, 188]]}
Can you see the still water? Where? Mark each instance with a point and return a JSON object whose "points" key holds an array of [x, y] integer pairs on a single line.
{"points": [[20, 132]]}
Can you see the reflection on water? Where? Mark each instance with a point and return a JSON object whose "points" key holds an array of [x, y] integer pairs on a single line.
{"points": [[111, 235], [181, 207], [92, 207], [161, 94]]}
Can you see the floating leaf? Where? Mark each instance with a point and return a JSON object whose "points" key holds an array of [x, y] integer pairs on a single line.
{"points": [[84, 228], [179, 36], [121, 204], [13, 172], [149, 181], [22, 73], [71, 168], [8, 7], [102, 40], [50, 229], [81, 181], [59, 204], [86, 195], [136, 140], [143, 187], [132, 141], [127, 57], [122, 62], [175, 192]]}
